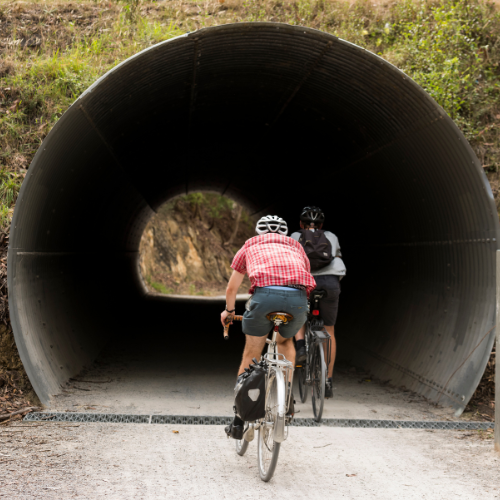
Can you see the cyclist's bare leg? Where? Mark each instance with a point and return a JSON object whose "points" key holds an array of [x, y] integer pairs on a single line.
{"points": [[286, 347], [333, 350], [253, 349], [301, 333]]}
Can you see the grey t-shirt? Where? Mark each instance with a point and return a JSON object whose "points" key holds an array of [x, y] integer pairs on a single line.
{"points": [[336, 266]]}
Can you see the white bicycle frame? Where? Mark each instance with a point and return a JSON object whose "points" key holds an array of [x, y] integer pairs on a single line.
{"points": [[283, 371]]}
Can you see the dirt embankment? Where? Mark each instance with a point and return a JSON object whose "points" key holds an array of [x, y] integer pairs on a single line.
{"points": [[482, 404], [187, 248], [16, 392]]}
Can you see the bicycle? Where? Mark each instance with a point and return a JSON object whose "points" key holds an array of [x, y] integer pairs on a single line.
{"points": [[313, 372], [273, 428]]}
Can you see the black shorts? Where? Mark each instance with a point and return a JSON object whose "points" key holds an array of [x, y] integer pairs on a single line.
{"points": [[328, 306]]}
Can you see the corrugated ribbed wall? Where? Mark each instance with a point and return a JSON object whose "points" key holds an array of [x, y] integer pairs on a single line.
{"points": [[276, 117]]}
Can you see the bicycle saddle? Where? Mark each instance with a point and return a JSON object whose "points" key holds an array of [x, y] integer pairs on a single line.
{"points": [[283, 317], [317, 295]]}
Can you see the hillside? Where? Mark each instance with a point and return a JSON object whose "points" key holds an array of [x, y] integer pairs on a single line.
{"points": [[187, 248]]}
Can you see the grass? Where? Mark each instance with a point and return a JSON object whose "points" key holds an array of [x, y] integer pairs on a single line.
{"points": [[159, 287], [53, 50], [216, 205]]}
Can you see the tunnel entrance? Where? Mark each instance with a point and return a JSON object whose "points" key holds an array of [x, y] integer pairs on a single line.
{"points": [[275, 117]]}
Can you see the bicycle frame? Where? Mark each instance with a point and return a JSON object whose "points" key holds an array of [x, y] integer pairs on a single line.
{"points": [[310, 340], [283, 370]]}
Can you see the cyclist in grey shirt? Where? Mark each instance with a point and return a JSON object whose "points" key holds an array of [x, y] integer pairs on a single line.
{"points": [[327, 278]]}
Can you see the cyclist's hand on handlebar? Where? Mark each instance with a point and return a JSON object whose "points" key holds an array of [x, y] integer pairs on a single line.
{"points": [[223, 317]]}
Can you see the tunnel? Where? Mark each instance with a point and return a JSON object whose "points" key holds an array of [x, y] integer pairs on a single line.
{"points": [[275, 117]]}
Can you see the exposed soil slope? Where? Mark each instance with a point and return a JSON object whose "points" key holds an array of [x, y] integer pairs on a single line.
{"points": [[187, 248]]}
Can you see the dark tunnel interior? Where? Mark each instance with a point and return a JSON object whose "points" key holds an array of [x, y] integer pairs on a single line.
{"points": [[275, 117]]}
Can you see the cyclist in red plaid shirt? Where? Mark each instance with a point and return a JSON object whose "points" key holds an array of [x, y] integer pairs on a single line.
{"points": [[280, 277]]}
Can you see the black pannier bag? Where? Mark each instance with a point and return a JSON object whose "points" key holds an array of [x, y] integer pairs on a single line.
{"points": [[250, 393], [317, 247]]}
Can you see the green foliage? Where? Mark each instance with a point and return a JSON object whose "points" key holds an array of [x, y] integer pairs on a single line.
{"points": [[5, 217], [445, 47], [192, 290], [152, 32], [9, 187], [215, 204], [195, 199], [66, 75], [159, 287], [10, 183], [247, 220], [131, 9], [38, 86], [218, 205]]}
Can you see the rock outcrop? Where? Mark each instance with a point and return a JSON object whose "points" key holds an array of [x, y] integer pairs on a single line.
{"points": [[186, 247]]}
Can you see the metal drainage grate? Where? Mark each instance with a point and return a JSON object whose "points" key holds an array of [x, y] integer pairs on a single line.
{"points": [[190, 420], [86, 417], [407, 424], [207, 420]]}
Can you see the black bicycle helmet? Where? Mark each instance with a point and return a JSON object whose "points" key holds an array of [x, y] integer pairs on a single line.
{"points": [[312, 215]]}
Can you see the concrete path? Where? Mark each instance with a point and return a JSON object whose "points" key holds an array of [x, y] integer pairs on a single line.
{"points": [[44, 460], [149, 462], [198, 384], [139, 461]]}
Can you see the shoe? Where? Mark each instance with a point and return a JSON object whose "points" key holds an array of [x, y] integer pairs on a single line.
{"points": [[234, 431], [301, 356], [328, 389]]}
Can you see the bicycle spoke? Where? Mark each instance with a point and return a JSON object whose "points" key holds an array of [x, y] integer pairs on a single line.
{"points": [[271, 413], [267, 449], [318, 382]]}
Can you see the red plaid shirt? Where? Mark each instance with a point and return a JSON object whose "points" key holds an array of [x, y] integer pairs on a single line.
{"points": [[274, 260]]}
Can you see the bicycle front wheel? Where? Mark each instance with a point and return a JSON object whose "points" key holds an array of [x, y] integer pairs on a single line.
{"points": [[318, 376], [267, 449], [241, 446]]}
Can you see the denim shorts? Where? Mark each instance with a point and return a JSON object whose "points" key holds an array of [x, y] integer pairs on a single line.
{"points": [[266, 300]]}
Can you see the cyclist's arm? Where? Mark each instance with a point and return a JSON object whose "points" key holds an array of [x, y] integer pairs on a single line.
{"points": [[231, 291]]}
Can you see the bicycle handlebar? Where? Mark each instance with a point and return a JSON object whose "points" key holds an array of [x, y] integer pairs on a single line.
{"points": [[228, 322]]}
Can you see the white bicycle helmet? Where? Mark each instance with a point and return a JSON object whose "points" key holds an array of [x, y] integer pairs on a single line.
{"points": [[271, 224]]}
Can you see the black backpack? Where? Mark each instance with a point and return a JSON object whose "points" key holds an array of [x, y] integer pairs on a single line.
{"points": [[250, 393], [317, 247]]}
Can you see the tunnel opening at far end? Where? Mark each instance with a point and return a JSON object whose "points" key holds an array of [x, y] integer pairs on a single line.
{"points": [[275, 117], [187, 247]]}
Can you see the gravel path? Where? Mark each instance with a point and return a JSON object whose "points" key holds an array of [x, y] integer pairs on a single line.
{"points": [[137, 461]]}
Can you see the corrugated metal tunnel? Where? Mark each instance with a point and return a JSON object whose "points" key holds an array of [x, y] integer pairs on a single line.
{"points": [[276, 117]]}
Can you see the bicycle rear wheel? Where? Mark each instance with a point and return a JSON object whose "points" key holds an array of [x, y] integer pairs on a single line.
{"points": [[301, 374], [241, 446], [267, 449], [318, 376]]}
